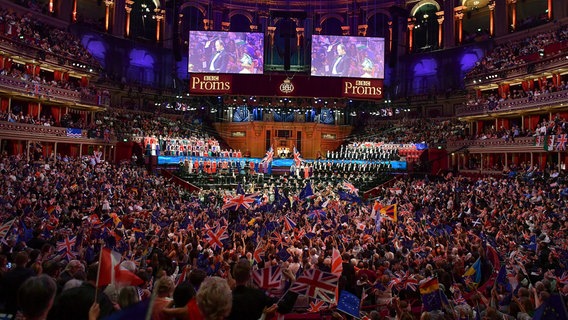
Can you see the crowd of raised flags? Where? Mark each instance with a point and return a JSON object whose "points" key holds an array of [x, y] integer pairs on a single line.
{"points": [[448, 243]]}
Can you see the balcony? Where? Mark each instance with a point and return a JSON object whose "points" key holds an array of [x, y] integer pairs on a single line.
{"points": [[523, 144], [24, 131], [542, 101], [42, 91]]}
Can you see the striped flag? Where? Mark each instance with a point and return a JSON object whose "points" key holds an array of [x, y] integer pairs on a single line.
{"points": [[74, 133], [336, 262]]}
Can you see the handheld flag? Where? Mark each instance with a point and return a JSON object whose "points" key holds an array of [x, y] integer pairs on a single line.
{"points": [[390, 212], [110, 270], [317, 284]]}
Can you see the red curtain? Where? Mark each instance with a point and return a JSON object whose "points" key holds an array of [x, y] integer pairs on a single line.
{"points": [[57, 75], [33, 109], [84, 82], [74, 150], [525, 85], [30, 68], [4, 104], [56, 113], [17, 147], [2, 62], [8, 63]]}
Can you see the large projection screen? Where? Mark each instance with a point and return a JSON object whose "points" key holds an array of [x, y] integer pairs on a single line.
{"points": [[349, 57], [225, 52]]}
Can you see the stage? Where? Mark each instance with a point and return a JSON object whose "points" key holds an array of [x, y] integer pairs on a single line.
{"points": [[277, 162]]}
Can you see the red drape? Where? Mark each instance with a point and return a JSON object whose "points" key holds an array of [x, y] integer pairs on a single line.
{"points": [[56, 113], [57, 75], [525, 85], [84, 82], [4, 104], [33, 109]]}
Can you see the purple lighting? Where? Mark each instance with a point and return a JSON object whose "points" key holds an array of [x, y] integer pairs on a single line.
{"points": [[141, 58], [469, 59]]}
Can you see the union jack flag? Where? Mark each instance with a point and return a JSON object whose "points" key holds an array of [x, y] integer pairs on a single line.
{"points": [[300, 235], [214, 239], [317, 213], [350, 188], [561, 142], [563, 279], [269, 156], [289, 224], [277, 238], [66, 246], [239, 201], [267, 278], [317, 306], [317, 284], [4, 228], [297, 158], [258, 253], [404, 281]]}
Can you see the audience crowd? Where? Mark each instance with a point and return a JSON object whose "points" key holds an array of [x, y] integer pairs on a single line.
{"points": [[514, 53], [441, 228], [36, 34]]}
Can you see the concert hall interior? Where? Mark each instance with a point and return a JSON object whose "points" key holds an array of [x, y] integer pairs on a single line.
{"points": [[280, 159]]}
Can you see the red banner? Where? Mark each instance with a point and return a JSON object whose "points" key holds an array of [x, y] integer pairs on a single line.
{"points": [[211, 84], [362, 88], [278, 85]]}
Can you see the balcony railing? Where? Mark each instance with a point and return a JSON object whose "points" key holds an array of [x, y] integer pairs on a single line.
{"points": [[43, 91], [544, 100], [24, 131], [497, 142]]}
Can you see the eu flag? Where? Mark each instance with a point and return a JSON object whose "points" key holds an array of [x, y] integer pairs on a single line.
{"points": [[349, 303]]}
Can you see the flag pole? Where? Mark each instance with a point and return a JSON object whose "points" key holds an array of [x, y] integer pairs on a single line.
{"points": [[98, 274]]}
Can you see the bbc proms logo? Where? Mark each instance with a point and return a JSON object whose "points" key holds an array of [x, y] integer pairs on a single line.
{"points": [[286, 87]]}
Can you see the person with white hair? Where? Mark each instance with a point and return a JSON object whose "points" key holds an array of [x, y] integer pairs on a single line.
{"points": [[214, 298]]}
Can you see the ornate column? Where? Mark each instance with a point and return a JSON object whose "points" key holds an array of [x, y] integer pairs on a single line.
{"points": [[491, 6], [411, 24], [128, 9], [74, 13], [362, 29], [390, 35], [440, 19], [271, 30], [513, 10], [299, 35], [459, 13], [207, 24], [225, 26], [159, 15], [108, 4]]}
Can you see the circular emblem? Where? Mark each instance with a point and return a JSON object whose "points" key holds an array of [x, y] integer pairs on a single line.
{"points": [[286, 86]]}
